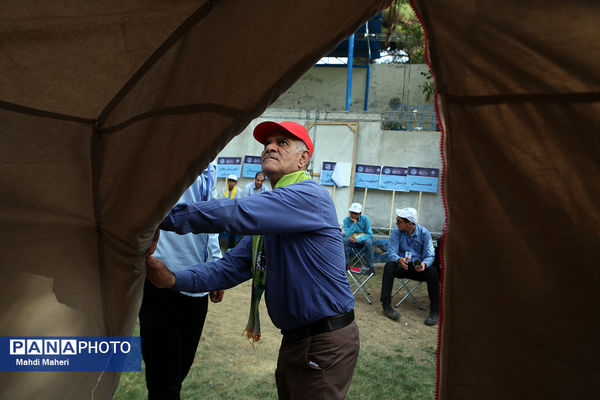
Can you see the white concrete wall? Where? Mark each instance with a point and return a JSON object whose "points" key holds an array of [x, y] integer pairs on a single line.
{"points": [[324, 88], [375, 147]]}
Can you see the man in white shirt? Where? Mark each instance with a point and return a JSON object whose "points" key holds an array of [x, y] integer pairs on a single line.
{"points": [[171, 322], [256, 187]]}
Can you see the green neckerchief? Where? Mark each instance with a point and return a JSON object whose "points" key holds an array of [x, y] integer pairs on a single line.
{"points": [[259, 272]]}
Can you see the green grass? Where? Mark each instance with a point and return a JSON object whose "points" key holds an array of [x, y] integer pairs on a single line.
{"points": [[396, 361], [378, 375], [393, 374]]}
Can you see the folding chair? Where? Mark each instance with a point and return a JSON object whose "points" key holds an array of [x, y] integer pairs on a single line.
{"points": [[408, 286], [358, 278]]}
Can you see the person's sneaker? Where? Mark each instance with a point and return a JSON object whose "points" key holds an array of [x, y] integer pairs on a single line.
{"points": [[391, 313], [432, 319], [368, 271]]}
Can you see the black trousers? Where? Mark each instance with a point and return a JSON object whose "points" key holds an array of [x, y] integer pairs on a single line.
{"points": [[393, 270], [170, 328]]}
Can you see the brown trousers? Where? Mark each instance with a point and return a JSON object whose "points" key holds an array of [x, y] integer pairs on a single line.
{"points": [[319, 366]]}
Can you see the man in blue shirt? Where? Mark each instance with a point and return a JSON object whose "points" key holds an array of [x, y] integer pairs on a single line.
{"points": [[358, 234], [171, 322], [410, 255], [256, 187], [301, 265]]}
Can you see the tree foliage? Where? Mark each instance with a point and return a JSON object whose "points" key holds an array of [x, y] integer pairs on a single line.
{"points": [[405, 37]]}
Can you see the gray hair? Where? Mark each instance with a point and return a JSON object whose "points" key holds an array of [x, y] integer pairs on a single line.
{"points": [[301, 146]]}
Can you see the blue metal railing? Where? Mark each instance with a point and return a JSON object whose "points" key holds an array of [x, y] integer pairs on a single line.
{"points": [[415, 117]]}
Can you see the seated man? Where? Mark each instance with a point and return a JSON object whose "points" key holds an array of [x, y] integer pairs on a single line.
{"points": [[231, 192], [410, 255], [257, 186], [357, 234]]}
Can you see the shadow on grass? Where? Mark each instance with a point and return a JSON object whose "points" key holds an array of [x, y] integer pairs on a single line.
{"points": [[381, 374]]}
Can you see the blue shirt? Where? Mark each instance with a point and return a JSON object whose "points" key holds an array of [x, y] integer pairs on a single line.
{"points": [[306, 278], [178, 252], [251, 189], [362, 225], [419, 244]]}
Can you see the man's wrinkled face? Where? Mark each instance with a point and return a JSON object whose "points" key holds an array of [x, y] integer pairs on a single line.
{"points": [[280, 155], [259, 180]]}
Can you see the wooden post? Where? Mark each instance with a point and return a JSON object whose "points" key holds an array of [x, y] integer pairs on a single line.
{"points": [[419, 206], [333, 195], [353, 126], [392, 210], [364, 205]]}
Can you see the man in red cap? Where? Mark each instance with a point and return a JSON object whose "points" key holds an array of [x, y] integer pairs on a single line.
{"points": [[296, 256]]}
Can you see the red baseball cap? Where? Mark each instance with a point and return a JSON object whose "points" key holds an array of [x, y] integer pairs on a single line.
{"points": [[263, 129]]}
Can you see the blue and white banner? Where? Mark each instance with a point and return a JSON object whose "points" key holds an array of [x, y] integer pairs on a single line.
{"points": [[70, 353], [423, 179], [367, 176], [229, 165], [252, 166], [326, 172], [393, 178]]}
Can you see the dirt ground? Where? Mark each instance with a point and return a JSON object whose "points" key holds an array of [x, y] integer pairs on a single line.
{"points": [[229, 319], [410, 329]]}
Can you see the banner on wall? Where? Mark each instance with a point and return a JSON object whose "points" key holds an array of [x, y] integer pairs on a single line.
{"points": [[252, 166], [393, 178], [367, 176], [229, 165], [423, 179], [326, 172]]}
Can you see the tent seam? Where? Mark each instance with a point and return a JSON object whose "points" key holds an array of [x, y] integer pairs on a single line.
{"points": [[444, 202], [198, 15], [175, 110], [43, 113]]}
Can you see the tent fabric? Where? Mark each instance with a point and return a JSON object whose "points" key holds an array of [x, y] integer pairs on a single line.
{"points": [[109, 110], [519, 89]]}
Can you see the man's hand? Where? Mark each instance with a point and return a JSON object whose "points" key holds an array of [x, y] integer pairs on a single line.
{"points": [[421, 267], [216, 296], [352, 239], [158, 273], [403, 263], [152, 247]]}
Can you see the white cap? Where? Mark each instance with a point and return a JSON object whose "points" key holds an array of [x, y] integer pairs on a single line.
{"points": [[232, 177], [409, 213], [355, 207]]}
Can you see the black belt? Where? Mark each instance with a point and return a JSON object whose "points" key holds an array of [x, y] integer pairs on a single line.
{"points": [[321, 326]]}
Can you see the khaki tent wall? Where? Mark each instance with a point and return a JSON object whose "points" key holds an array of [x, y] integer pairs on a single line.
{"points": [[100, 107], [519, 87]]}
